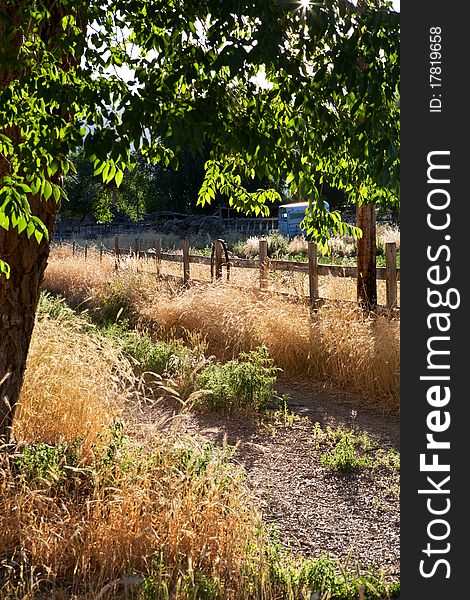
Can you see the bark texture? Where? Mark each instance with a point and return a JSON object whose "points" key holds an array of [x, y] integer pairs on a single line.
{"points": [[27, 259], [366, 258], [18, 302]]}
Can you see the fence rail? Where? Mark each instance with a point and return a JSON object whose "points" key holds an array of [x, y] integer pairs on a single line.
{"points": [[390, 273]]}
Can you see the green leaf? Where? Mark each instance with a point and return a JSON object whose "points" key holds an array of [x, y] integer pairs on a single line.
{"points": [[36, 185], [46, 189], [118, 177], [21, 224], [4, 269], [6, 144], [30, 228], [52, 168], [99, 167], [111, 173], [23, 187], [4, 221], [38, 235], [56, 192], [105, 172]]}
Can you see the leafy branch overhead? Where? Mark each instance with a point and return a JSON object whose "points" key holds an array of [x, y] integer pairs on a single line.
{"points": [[301, 95]]}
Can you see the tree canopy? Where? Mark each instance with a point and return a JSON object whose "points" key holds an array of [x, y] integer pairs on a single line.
{"points": [[278, 89], [303, 92]]}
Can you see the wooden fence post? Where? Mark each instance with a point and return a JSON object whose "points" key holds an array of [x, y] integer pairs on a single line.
{"points": [[185, 262], [218, 259], [312, 273], [101, 251], [73, 248], [86, 249], [391, 273], [137, 247], [366, 258], [263, 264]]}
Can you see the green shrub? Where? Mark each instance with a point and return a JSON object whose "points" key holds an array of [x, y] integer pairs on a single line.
{"points": [[319, 574], [243, 383], [54, 307], [344, 456], [325, 577], [351, 451], [115, 304], [193, 461], [163, 358], [41, 461]]}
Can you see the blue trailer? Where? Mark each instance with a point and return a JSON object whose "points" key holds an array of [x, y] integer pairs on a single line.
{"points": [[290, 216]]}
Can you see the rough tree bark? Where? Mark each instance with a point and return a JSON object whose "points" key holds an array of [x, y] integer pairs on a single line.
{"points": [[366, 258], [19, 298], [27, 259], [18, 302]]}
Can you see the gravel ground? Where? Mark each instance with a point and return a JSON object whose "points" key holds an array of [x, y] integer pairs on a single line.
{"points": [[355, 517]]}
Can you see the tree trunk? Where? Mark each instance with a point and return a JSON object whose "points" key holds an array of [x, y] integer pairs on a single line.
{"points": [[27, 259], [18, 302], [366, 258]]}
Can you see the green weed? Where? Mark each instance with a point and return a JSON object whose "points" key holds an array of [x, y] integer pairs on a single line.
{"points": [[164, 358], [42, 461], [282, 415], [325, 577], [54, 307], [350, 451], [344, 456], [243, 383], [115, 304]]}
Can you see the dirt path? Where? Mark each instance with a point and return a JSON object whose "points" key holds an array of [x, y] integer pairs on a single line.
{"points": [[353, 516]]}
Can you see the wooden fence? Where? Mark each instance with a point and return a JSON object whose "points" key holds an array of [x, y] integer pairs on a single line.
{"points": [[313, 269]]}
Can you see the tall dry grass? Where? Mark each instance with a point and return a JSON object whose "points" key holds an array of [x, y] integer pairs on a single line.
{"points": [[145, 515], [388, 233], [75, 384], [340, 345], [84, 510], [82, 507], [330, 288]]}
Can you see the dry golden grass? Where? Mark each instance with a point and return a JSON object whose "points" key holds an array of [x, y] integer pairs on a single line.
{"points": [[77, 278], [388, 233], [340, 346], [95, 539], [74, 385], [141, 514], [330, 288], [174, 510], [171, 511]]}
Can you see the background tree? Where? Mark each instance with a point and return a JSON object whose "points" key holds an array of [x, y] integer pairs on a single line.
{"points": [[147, 187], [86, 193], [163, 76], [166, 187]]}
